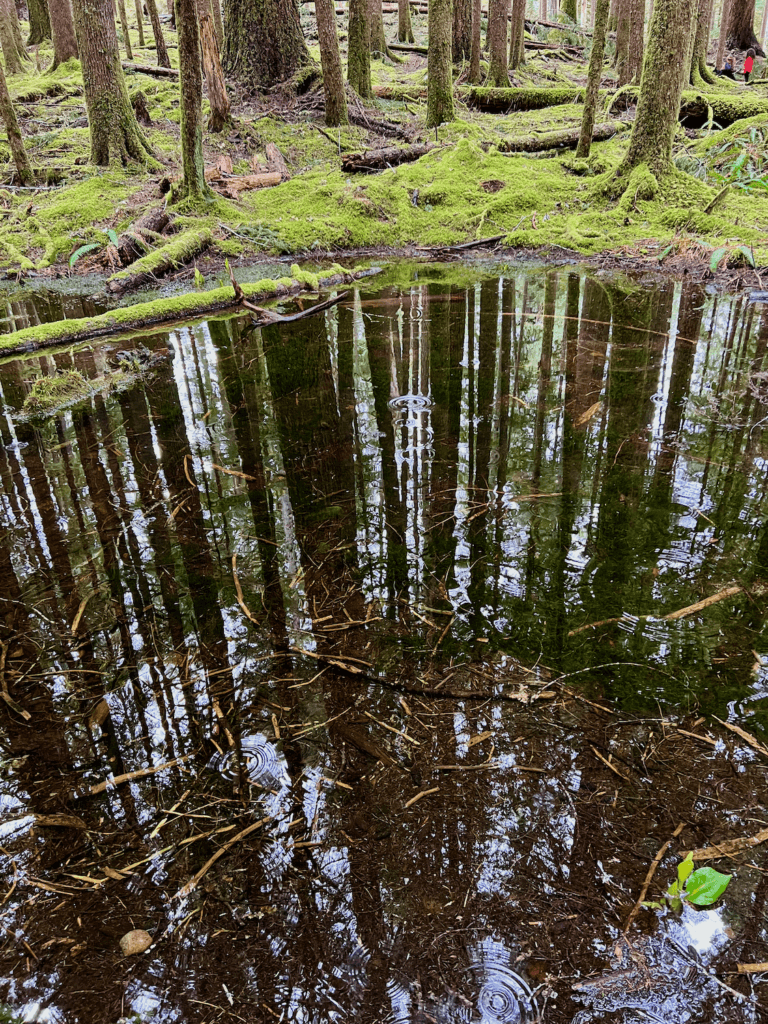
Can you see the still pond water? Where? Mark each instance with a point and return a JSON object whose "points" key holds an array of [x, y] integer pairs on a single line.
{"points": [[393, 590]]}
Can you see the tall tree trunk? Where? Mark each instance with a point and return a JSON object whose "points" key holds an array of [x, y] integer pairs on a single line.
{"points": [[193, 186], [124, 26], [263, 41], [404, 27], [163, 60], [700, 75], [474, 58], [217, 21], [115, 133], [622, 40], [634, 66], [214, 77], [725, 13], [498, 70], [378, 43], [63, 31], [39, 22], [462, 30], [16, 26], [517, 35], [359, 48], [13, 54], [661, 88], [594, 75], [140, 22], [439, 65], [330, 59], [741, 27], [568, 7], [8, 116]]}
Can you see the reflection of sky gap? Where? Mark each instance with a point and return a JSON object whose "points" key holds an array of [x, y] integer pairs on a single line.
{"points": [[332, 332], [458, 594]]}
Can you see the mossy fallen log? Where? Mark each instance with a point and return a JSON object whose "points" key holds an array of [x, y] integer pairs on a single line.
{"points": [[176, 253], [172, 310], [380, 159], [502, 100], [563, 139], [696, 108]]}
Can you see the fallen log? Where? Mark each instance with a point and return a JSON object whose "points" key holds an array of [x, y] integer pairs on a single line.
{"points": [[502, 100], [399, 92], [179, 308], [269, 316], [696, 108], [151, 69], [175, 253], [136, 240], [380, 159], [562, 139], [531, 26], [405, 48], [233, 185]]}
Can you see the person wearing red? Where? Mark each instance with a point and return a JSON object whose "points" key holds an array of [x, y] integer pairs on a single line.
{"points": [[749, 63]]}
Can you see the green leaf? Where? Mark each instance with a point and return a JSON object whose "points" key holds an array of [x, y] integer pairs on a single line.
{"points": [[706, 886], [82, 251], [717, 257], [676, 905], [684, 868], [674, 889], [653, 905], [112, 236], [748, 255]]}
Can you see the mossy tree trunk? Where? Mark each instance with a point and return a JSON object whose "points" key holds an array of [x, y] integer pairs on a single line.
{"points": [[621, 58], [741, 26], [474, 57], [439, 65], [404, 27], [330, 59], [700, 75], [16, 25], [214, 77], [124, 26], [359, 48], [63, 31], [39, 22], [8, 115], [568, 7], [14, 53], [263, 41], [594, 74], [163, 60], [725, 13], [378, 42], [661, 88], [517, 35], [462, 30], [218, 22], [115, 133], [140, 22], [634, 65], [498, 70], [193, 186]]}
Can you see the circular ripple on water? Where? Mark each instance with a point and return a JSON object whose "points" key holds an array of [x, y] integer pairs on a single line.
{"points": [[410, 402], [260, 760], [504, 997]]}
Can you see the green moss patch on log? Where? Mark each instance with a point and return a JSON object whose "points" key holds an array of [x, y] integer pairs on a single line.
{"points": [[176, 253], [697, 107], [498, 100], [51, 395]]}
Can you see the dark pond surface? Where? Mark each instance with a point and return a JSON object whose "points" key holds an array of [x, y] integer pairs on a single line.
{"points": [[393, 590]]}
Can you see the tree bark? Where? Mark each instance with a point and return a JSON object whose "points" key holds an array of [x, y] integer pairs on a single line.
{"points": [[634, 65], [214, 77], [163, 60], [725, 12], [13, 54], [330, 59], [622, 40], [568, 7], [594, 75], [115, 133], [8, 115], [263, 41], [378, 43], [63, 31], [741, 27], [517, 35], [474, 59], [124, 26], [140, 22], [700, 75], [193, 186], [439, 65], [217, 21], [661, 88], [764, 26], [498, 70], [39, 22], [359, 48], [462, 30]]}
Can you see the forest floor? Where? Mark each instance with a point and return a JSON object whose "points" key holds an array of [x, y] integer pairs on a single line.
{"points": [[710, 214]]}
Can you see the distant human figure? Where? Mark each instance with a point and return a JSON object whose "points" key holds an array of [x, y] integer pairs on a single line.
{"points": [[726, 71], [749, 63]]}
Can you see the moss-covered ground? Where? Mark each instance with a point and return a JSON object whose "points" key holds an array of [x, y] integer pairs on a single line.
{"points": [[464, 189]]}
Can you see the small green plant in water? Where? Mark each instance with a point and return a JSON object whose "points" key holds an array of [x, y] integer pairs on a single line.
{"points": [[701, 887]]}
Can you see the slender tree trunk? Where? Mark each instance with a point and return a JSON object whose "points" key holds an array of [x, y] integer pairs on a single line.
{"points": [[193, 186], [217, 21], [8, 115], [517, 35], [378, 43], [594, 75], [115, 133], [163, 60], [439, 65], [634, 65], [622, 40], [16, 26], [474, 59], [462, 30], [124, 26], [700, 74], [63, 31], [330, 59], [39, 22], [498, 71], [741, 27], [140, 23], [214, 77], [725, 12], [359, 48], [568, 7], [404, 27], [13, 54], [661, 88], [263, 41]]}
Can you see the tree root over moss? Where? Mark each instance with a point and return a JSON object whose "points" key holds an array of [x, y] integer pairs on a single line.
{"points": [[173, 310]]}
